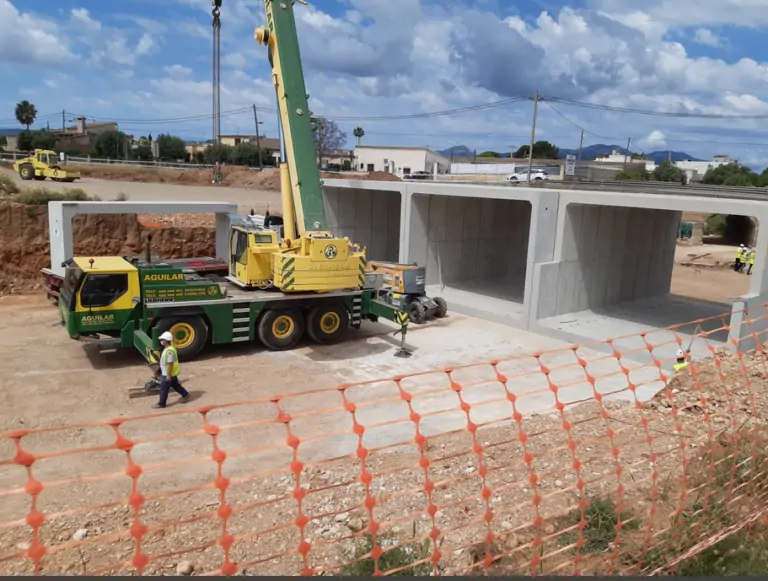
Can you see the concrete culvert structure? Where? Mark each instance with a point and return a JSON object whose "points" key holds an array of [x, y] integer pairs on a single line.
{"points": [[740, 230], [475, 251], [368, 217], [612, 274]]}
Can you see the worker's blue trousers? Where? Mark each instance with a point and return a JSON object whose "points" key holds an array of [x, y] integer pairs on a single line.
{"points": [[168, 383]]}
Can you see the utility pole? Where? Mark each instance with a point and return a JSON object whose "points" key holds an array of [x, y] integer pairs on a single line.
{"points": [[63, 121], [581, 145], [533, 134], [258, 139], [626, 156]]}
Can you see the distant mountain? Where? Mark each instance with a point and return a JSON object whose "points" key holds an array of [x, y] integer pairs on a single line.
{"points": [[602, 149], [588, 152], [8, 131]]}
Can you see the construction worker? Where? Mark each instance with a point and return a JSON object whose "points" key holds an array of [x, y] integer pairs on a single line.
{"points": [[682, 361], [169, 370], [739, 261], [751, 260]]}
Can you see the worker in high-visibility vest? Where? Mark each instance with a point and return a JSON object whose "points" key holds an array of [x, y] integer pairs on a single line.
{"points": [[751, 260], [169, 370], [738, 263], [682, 361]]}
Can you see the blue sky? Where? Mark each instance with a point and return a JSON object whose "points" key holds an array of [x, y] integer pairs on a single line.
{"points": [[141, 62]]}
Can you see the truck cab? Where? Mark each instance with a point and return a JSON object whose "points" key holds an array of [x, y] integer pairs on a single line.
{"points": [[98, 295]]}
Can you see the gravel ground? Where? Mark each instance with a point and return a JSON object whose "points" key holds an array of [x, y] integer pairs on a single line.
{"points": [[510, 471]]}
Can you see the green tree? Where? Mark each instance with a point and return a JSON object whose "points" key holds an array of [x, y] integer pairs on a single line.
{"points": [[143, 152], [43, 139], [26, 113], [218, 154], [111, 144], [733, 174], [170, 147], [490, 154], [359, 132], [541, 150], [25, 140], [328, 138], [667, 171], [3, 141]]}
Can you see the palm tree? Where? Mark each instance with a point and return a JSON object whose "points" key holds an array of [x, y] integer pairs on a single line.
{"points": [[26, 113], [358, 132]]}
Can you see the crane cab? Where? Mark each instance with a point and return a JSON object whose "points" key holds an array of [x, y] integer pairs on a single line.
{"points": [[250, 257]]}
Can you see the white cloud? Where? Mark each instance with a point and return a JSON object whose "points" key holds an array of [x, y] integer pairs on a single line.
{"points": [[706, 37], [656, 139], [83, 18], [29, 39]]}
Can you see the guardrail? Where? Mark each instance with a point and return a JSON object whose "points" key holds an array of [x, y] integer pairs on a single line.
{"points": [[106, 161]]}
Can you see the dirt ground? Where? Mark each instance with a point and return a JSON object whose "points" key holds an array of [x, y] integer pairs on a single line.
{"points": [[703, 272], [232, 176], [50, 380]]}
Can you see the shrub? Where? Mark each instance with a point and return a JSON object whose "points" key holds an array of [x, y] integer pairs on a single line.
{"points": [[41, 196], [715, 225], [7, 185]]}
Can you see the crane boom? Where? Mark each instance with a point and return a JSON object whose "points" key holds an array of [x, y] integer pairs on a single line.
{"points": [[281, 38]]}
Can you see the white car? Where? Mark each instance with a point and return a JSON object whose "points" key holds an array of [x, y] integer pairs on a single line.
{"points": [[522, 175]]}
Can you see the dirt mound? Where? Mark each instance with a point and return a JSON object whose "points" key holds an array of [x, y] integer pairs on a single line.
{"points": [[25, 249]]}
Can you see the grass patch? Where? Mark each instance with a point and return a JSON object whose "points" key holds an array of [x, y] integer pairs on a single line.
{"points": [[601, 519], [7, 185], [404, 557], [41, 196]]}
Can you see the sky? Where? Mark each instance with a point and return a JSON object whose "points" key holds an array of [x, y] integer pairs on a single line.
{"points": [[696, 70]]}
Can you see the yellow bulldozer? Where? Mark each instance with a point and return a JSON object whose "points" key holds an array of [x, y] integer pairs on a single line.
{"points": [[44, 164]]}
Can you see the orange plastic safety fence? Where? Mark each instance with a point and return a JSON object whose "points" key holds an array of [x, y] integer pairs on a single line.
{"points": [[593, 459]]}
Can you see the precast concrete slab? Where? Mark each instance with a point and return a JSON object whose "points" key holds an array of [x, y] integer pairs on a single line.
{"points": [[369, 216], [60, 216]]}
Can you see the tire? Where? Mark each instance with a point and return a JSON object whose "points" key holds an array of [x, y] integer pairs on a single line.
{"points": [[280, 329], [190, 334], [327, 324], [26, 171], [442, 307], [417, 314]]}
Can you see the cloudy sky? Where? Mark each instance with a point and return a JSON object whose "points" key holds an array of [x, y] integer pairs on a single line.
{"points": [[144, 62]]}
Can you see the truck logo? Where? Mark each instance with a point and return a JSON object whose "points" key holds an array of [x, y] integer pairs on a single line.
{"points": [[162, 277], [331, 252], [97, 319]]}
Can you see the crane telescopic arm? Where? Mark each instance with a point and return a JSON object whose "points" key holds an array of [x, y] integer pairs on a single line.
{"points": [[282, 40]]}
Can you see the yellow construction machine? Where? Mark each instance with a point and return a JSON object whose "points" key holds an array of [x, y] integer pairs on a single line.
{"points": [[44, 164], [404, 287]]}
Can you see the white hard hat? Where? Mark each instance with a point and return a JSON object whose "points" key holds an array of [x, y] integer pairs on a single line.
{"points": [[680, 353], [166, 337]]}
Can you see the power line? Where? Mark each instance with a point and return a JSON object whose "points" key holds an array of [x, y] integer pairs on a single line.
{"points": [[673, 114]]}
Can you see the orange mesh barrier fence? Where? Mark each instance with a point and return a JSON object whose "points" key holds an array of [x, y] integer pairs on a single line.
{"points": [[596, 459]]}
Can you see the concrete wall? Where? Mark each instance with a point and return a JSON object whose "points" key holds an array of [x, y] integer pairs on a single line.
{"points": [[607, 255], [369, 217], [464, 238]]}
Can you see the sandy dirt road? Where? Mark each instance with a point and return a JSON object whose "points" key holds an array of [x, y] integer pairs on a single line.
{"points": [[140, 191]]}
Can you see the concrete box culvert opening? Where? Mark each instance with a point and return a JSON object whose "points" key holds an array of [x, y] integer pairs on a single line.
{"points": [[368, 217], [475, 251], [612, 276]]}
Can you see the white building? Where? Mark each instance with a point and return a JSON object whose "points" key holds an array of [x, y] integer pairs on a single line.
{"points": [[400, 160], [696, 169]]}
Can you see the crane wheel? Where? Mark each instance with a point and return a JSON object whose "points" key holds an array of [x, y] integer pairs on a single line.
{"points": [[280, 329], [417, 313], [328, 323], [442, 307], [190, 334], [26, 171]]}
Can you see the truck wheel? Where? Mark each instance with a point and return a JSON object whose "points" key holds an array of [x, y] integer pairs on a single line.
{"points": [[26, 171], [417, 313], [190, 334], [442, 307], [281, 329], [327, 324]]}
